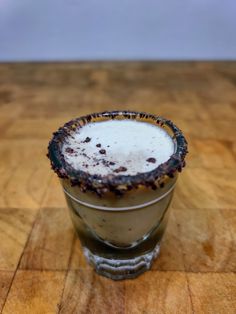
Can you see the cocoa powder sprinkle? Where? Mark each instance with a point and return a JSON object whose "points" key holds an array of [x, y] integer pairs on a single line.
{"points": [[151, 159], [120, 169], [88, 139], [69, 150], [102, 151]]}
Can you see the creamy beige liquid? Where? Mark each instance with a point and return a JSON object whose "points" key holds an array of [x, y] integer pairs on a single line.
{"points": [[118, 147]]}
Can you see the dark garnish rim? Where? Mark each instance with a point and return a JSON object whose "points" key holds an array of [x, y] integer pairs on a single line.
{"points": [[115, 183]]}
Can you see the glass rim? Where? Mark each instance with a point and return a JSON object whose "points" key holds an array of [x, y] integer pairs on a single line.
{"points": [[118, 183]]}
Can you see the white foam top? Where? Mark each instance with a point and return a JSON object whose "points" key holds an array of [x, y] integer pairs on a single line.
{"points": [[118, 147]]}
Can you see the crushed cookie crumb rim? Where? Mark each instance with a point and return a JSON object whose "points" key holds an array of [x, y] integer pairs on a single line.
{"points": [[119, 183]]}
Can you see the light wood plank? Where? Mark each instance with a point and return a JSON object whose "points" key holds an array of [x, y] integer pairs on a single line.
{"points": [[78, 260], [207, 240], [35, 292], [33, 129], [15, 227], [25, 173], [204, 153], [230, 220], [86, 292], [219, 129], [54, 197], [171, 252], [5, 282], [206, 188], [49, 246], [158, 292], [213, 293]]}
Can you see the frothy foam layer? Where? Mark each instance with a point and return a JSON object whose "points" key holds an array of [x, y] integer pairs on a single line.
{"points": [[118, 147]]}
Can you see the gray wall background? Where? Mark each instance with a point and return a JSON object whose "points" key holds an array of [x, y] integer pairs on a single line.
{"points": [[111, 29]]}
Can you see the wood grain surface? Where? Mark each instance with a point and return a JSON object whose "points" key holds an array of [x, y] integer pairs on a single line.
{"points": [[42, 268]]}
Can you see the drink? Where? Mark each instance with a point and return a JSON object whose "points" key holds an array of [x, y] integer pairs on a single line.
{"points": [[118, 171]]}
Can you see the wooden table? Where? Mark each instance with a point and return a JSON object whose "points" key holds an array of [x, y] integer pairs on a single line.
{"points": [[42, 269]]}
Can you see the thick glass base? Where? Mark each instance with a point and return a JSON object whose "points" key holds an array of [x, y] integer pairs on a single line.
{"points": [[118, 269]]}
